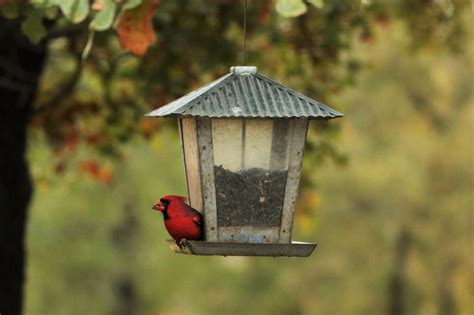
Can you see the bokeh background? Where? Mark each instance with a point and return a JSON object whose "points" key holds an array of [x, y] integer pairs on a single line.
{"points": [[387, 191]]}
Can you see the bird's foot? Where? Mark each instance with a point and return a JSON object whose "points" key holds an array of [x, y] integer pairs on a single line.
{"points": [[182, 243]]}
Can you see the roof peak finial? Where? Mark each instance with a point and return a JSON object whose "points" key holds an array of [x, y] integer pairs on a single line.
{"points": [[240, 70]]}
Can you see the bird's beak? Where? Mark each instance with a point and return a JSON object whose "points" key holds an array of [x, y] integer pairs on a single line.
{"points": [[156, 207]]}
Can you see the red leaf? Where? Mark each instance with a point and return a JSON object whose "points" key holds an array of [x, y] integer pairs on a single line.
{"points": [[95, 139], [135, 28], [71, 143], [90, 167], [148, 126], [103, 174], [98, 5], [59, 168]]}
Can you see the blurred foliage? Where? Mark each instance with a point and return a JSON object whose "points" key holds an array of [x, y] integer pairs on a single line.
{"points": [[100, 103], [387, 190]]}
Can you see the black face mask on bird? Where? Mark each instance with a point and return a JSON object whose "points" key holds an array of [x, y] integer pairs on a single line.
{"points": [[161, 205]]}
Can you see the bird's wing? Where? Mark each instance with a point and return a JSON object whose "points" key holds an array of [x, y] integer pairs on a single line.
{"points": [[197, 219], [196, 215]]}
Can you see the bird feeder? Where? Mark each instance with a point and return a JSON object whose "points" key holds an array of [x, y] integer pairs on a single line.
{"points": [[243, 139]]}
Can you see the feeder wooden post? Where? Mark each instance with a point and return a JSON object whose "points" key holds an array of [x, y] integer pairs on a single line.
{"points": [[206, 160], [293, 180]]}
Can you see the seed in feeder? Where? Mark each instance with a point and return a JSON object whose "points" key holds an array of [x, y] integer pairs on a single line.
{"points": [[251, 197]]}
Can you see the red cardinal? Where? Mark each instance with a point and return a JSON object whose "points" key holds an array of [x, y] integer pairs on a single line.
{"points": [[181, 221]]}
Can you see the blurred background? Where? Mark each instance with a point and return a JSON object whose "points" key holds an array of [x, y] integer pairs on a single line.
{"points": [[387, 190]]}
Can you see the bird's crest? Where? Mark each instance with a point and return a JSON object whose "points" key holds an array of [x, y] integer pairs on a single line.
{"points": [[173, 197]]}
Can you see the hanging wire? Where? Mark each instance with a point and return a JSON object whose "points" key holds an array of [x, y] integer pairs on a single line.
{"points": [[245, 32]]}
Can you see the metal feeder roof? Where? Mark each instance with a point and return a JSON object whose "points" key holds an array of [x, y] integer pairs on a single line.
{"points": [[245, 93]]}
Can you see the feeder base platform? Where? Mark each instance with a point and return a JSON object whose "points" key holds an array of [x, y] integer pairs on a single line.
{"points": [[295, 249]]}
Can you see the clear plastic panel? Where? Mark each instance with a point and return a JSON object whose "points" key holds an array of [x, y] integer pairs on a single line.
{"points": [[227, 143], [250, 169], [258, 143]]}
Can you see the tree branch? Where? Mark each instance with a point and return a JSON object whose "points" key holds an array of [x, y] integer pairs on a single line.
{"points": [[309, 43], [66, 31], [68, 88]]}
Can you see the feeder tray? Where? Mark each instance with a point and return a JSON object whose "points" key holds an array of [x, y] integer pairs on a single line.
{"points": [[295, 249]]}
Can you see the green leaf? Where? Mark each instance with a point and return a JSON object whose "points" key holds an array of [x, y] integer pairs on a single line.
{"points": [[33, 26], [51, 12], [74, 10], [291, 8], [317, 3], [131, 4], [10, 10], [41, 4], [104, 19]]}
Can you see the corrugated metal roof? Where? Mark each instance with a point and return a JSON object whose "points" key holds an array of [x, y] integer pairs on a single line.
{"points": [[245, 93]]}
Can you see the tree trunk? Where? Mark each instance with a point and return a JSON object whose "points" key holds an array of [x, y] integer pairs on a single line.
{"points": [[397, 281], [446, 300], [123, 239], [20, 67]]}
